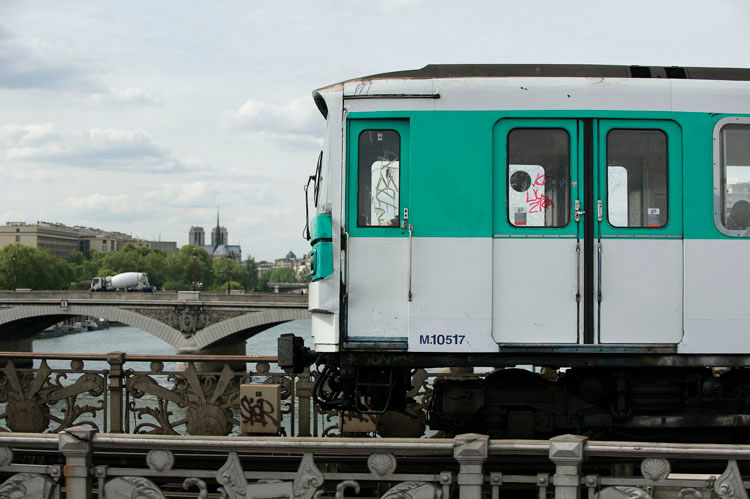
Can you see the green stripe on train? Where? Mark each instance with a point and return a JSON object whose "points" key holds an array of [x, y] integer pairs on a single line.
{"points": [[451, 169]]}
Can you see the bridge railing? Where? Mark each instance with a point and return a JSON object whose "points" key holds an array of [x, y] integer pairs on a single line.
{"points": [[170, 395], [81, 463]]}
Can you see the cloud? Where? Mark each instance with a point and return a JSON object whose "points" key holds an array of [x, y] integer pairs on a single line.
{"points": [[128, 97], [99, 202], [296, 122], [187, 194], [32, 64], [391, 5], [96, 148]]}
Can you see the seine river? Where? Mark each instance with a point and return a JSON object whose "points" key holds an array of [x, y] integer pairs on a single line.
{"points": [[135, 341]]}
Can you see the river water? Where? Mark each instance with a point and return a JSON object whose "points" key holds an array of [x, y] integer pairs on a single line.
{"points": [[135, 341]]}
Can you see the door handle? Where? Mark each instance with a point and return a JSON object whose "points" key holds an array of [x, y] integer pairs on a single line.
{"points": [[411, 231], [578, 212]]}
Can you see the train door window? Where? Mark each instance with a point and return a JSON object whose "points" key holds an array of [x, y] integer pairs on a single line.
{"points": [[735, 177], [538, 177], [378, 172], [637, 178]]}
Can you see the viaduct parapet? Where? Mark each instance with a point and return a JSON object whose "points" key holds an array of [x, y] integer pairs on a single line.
{"points": [[190, 321]]}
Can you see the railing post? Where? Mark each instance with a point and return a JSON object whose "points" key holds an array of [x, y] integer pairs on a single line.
{"points": [[566, 451], [115, 360], [75, 444], [304, 392], [470, 450]]}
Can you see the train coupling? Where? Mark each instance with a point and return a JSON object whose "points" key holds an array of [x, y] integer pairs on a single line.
{"points": [[293, 355]]}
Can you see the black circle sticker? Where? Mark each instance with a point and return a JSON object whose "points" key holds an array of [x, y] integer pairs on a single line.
{"points": [[520, 181]]}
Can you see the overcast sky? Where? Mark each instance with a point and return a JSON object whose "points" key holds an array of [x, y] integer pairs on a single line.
{"points": [[143, 116]]}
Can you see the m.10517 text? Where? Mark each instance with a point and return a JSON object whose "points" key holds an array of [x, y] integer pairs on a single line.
{"points": [[441, 339]]}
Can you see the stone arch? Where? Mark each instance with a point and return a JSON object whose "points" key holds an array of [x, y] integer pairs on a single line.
{"points": [[252, 320], [152, 326]]}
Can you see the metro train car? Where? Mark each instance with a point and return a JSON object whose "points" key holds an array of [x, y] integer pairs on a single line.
{"points": [[593, 221]]}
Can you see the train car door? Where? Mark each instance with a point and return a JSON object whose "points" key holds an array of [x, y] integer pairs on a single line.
{"points": [[536, 246], [638, 254], [377, 243]]}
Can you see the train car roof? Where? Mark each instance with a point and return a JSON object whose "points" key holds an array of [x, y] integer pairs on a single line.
{"points": [[563, 71], [397, 79]]}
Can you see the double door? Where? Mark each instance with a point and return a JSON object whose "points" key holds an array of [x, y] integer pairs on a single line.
{"points": [[587, 232]]}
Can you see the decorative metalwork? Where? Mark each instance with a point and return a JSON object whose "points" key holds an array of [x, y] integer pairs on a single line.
{"points": [[729, 483], [29, 486], [206, 405], [413, 490], [132, 486], [381, 464], [655, 468], [690, 493], [346, 484], [160, 460], [29, 395], [196, 482], [6, 456], [235, 486]]}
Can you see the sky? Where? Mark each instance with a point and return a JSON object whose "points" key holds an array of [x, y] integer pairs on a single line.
{"points": [[145, 116]]}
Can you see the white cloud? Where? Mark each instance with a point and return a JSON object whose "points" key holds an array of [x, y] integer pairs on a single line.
{"points": [[188, 194], [296, 122], [30, 63], [94, 148], [128, 97], [391, 5]]}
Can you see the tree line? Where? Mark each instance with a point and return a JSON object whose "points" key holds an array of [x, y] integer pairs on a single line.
{"points": [[37, 269]]}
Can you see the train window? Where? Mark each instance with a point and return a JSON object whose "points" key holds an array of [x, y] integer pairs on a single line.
{"points": [[378, 178], [637, 189], [735, 177], [538, 177]]}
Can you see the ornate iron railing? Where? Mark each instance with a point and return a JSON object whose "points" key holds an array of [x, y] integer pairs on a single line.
{"points": [[81, 463], [123, 393], [167, 395]]}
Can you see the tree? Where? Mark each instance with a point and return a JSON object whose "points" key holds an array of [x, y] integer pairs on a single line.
{"points": [[223, 269], [251, 268], [303, 275], [182, 269], [263, 281], [283, 274], [155, 265], [33, 268]]}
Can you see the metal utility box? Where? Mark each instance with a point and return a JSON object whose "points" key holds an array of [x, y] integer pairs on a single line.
{"points": [[260, 409], [354, 422]]}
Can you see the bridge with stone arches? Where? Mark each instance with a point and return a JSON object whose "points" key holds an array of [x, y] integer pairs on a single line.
{"points": [[190, 321]]}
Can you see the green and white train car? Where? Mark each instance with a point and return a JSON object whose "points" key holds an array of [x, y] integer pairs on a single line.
{"points": [[594, 218]]}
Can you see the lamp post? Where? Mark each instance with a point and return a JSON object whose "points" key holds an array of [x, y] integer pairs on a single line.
{"points": [[13, 261], [195, 257], [229, 270]]}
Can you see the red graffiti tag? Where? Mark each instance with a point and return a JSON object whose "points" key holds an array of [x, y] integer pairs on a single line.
{"points": [[538, 202]]}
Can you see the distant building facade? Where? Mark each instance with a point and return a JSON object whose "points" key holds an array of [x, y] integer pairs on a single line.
{"points": [[263, 266], [291, 261], [197, 236], [219, 236], [219, 247], [62, 240]]}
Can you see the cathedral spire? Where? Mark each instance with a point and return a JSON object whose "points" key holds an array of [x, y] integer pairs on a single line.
{"points": [[218, 241]]}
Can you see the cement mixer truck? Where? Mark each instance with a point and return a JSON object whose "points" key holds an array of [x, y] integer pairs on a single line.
{"points": [[127, 281]]}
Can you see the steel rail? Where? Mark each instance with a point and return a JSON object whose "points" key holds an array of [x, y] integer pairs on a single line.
{"points": [[139, 358], [36, 440], [288, 445], [674, 450]]}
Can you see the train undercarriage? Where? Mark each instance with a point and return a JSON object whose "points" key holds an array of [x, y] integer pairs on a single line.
{"points": [[670, 403]]}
